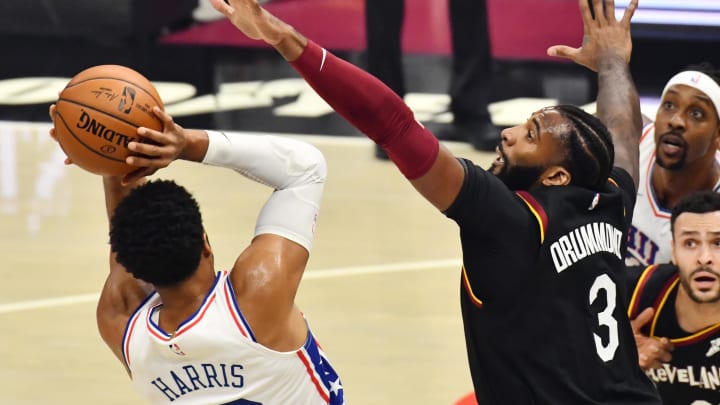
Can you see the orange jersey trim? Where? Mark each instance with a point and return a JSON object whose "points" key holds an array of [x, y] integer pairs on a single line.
{"points": [[633, 309], [468, 288], [662, 299], [689, 339], [537, 210]]}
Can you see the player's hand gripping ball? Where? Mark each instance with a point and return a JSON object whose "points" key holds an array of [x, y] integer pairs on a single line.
{"points": [[98, 113]]}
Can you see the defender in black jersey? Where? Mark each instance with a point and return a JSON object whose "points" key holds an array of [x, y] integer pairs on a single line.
{"points": [[543, 231], [543, 292], [681, 342]]}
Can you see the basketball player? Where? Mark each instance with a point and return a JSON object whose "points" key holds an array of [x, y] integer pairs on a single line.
{"points": [[543, 231], [186, 333], [678, 155], [679, 339]]}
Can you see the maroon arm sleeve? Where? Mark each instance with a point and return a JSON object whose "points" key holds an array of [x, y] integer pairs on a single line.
{"points": [[370, 106]]}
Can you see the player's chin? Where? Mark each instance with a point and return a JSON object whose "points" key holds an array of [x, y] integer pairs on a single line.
{"points": [[707, 294]]}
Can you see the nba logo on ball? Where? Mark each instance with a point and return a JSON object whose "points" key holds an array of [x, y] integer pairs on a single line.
{"points": [[97, 116], [128, 98]]}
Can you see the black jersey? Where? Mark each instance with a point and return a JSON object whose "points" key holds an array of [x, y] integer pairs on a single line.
{"points": [[693, 374], [543, 293]]}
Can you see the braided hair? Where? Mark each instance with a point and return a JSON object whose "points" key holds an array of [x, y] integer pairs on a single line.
{"points": [[590, 152]]}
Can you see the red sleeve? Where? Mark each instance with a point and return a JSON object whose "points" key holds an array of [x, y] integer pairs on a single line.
{"points": [[370, 106]]}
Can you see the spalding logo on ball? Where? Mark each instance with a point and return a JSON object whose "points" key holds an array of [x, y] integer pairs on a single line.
{"points": [[98, 113]]}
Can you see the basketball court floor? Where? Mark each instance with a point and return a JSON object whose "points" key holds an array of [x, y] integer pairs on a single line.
{"points": [[381, 290]]}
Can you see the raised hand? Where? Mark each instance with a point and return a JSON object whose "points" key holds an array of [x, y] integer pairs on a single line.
{"points": [[165, 148], [252, 20], [604, 36], [161, 149], [652, 351]]}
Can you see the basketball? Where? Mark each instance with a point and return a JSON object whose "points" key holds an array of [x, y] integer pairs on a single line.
{"points": [[97, 114]]}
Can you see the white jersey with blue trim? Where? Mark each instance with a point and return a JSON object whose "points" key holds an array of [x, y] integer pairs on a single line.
{"points": [[213, 358], [649, 237]]}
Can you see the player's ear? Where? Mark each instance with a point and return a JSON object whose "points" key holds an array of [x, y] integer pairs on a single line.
{"points": [[672, 251], [207, 249], [716, 139], [555, 176]]}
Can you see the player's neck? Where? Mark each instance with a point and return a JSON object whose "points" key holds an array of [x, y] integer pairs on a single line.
{"points": [[693, 316], [671, 185], [181, 301]]}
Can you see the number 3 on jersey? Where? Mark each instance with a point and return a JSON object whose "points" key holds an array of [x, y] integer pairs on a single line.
{"points": [[605, 317]]}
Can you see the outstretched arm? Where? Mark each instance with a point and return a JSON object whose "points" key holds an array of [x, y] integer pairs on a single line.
{"points": [[267, 274], [361, 99], [606, 49]]}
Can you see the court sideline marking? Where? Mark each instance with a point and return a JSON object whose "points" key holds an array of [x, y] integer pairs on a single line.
{"points": [[309, 275]]}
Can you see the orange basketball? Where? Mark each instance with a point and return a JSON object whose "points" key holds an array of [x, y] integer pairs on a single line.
{"points": [[98, 113]]}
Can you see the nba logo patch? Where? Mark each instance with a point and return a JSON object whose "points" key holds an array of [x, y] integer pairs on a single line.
{"points": [[595, 201], [176, 349], [695, 79]]}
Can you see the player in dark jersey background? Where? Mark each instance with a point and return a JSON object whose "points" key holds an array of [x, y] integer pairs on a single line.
{"points": [[678, 306], [543, 230]]}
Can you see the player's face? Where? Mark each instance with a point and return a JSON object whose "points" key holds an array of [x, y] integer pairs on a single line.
{"points": [[686, 128], [696, 252], [527, 150]]}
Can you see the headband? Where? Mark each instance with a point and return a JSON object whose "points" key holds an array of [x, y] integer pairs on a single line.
{"points": [[700, 81]]}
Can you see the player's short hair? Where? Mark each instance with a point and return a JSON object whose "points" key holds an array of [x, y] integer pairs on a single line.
{"points": [[156, 232], [590, 151], [699, 202]]}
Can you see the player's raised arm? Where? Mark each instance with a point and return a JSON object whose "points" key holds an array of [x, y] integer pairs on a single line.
{"points": [[361, 99], [606, 49]]}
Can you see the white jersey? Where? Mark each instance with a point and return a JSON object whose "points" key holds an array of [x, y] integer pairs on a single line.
{"points": [[213, 358], [649, 237]]}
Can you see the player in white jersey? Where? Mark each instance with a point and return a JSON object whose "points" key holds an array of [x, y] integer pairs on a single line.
{"points": [[213, 357], [678, 156], [186, 333]]}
